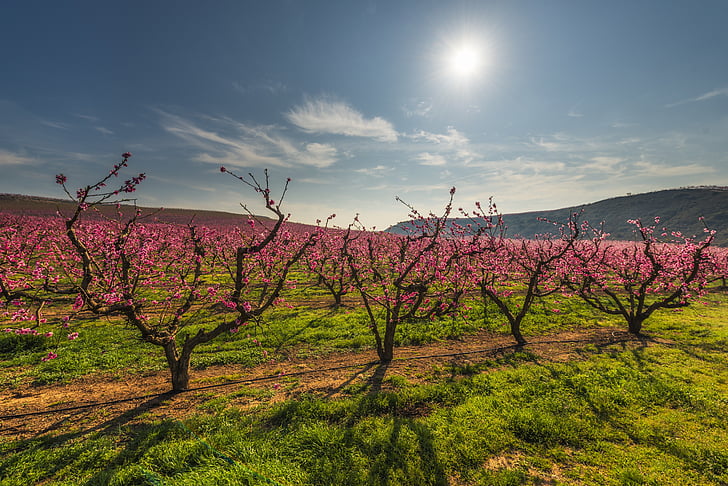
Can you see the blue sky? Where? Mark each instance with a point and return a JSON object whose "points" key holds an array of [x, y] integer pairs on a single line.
{"points": [[567, 102]]}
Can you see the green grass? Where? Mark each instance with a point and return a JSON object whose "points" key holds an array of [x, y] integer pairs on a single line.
{"points": [[652, 415]]}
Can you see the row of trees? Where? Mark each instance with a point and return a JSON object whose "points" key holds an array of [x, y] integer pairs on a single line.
{"points": [[183, 285]]}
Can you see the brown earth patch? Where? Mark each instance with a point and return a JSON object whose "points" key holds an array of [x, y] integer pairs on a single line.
{"points": [[106, 401]]}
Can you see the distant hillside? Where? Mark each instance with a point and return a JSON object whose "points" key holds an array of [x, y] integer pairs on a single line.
{"points": [[45, 206], [678, 210]]}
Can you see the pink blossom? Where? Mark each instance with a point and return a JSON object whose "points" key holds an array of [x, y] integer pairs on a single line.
{"points": [[72, 336], [51, 355]]}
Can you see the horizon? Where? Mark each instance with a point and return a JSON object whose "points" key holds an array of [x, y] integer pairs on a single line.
{"points": [[540, 106], [453, 216]]}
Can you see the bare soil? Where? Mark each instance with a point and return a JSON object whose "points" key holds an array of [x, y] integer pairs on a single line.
{"points": [[106, 401]]}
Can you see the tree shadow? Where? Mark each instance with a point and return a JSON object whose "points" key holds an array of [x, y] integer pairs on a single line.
{"points": [[69, 447], [389, 454]]}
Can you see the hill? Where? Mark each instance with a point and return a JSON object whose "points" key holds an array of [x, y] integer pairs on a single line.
{"points": [[678, 209], [45, 206]]}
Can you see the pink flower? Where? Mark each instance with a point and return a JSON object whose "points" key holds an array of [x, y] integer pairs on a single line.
{"points": [[51, 355], [49, 334], [126, 155], [61, 179], [223, 169], [276, 386], [72, 336]]}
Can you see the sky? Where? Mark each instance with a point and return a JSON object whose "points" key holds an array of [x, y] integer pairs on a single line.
{"points": [[540, 105]]}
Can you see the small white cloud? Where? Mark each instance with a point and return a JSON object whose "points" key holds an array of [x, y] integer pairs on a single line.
{"points": [[378, 171], [622, 125], [318, 155], [105, 131], [426, 158], [702, 97], [272, 87], [452, 137], [420, 108], [87, 117], [659, 170], [52, 124], [323, 116], [550, 146], [603, 163], [11, 158], [574, 114]]}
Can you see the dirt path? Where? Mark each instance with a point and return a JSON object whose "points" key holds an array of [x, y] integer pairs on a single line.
{"points": [[109, 401]]}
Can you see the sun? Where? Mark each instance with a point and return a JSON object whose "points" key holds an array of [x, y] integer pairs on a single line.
{"points": [[465, 61]]}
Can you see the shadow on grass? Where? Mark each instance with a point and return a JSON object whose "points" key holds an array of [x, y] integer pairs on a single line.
{"points": [[69, 450]]}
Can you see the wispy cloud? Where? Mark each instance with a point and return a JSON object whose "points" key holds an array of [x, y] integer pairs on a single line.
{"points": [[242, 145], [52, 124], [12, 158], [272, 87], [451, 137], [603, 163], [426, 158], [415, 107], [563, 142], [334, 117], [104, 130], [702, 97], [660, 170], [378, 171], [575, 114], [622, 125], [87, 117]]}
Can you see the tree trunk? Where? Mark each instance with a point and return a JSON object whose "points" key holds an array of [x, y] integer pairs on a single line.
{"points": [[635, 324], [386, 354], [516, 331], [179, 366]]}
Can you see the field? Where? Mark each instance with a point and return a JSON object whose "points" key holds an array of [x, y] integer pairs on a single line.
{"points": [[583, 402], [139, 351]]}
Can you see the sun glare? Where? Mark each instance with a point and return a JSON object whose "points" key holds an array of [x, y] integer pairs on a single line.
{"points": [[465, 61]]}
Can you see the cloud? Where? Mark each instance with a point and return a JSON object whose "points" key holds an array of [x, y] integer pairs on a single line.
{"points": [[52, 124], [323, 116], [622, 125], [105, 131], [87, 117], [378, 171], [10, 158], [318, 155], [604, 163], [415, 107], [426, 158], [452, 137], [272, 87], [658, 170], [243, 145], [574, 114], [550, 146], [702, 97]]}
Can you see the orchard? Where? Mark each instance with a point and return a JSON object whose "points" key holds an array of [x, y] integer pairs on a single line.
{"points": [[181, 286]]}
